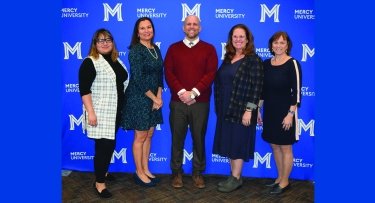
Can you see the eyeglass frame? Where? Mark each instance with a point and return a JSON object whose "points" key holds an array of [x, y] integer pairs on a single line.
{"points": [[108, 40]]}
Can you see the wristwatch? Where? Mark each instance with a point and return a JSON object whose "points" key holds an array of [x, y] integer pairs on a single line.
{"points": [[192, 95], [249, 110], [291, 112]]}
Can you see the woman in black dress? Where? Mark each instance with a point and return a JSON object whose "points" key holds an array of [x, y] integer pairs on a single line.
{"points": [[238, 85], [281, 96]]}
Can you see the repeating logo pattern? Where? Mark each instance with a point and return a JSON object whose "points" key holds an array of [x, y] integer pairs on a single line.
{"points": [[263, 19]]}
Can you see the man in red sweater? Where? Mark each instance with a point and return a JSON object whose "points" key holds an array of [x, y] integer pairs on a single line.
{"points": [[190, 67]]}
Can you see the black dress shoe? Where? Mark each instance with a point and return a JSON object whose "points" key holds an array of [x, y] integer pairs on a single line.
{"points": [[104, 194], [110, 177], [138, 181], [272, 185], [278, 190], [155, 180]]}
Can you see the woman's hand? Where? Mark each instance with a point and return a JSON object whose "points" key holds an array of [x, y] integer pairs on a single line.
{"points": [[92, 120], [246, 118], [158, 103], [288, 121]]}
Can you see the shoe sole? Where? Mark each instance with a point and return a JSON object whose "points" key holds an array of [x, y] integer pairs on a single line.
{"points": [[177, 186], [200, 187]]}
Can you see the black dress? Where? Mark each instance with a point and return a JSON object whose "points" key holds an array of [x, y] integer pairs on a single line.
{"points": [[232, 140], [281, 90]]}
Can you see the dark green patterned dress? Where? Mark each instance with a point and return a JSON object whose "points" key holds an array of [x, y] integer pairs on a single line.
{"points": [[146, 73]]}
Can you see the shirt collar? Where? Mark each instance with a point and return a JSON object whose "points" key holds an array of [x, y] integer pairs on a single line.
{"points": [[186, 42]]}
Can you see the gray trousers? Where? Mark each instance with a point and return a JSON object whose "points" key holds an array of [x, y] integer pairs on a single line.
{"points": [[181, 118]]}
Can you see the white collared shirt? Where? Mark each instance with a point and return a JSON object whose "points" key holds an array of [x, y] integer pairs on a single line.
{"points": [[187, 42]]}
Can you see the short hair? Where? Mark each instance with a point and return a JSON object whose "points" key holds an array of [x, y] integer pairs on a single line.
{"points": [[276, 36]]}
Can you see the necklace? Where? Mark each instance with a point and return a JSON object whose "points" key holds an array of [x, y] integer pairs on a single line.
{"points": [[156, 54]]}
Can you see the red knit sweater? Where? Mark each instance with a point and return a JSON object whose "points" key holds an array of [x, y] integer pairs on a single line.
{"points": [[186, 68]]}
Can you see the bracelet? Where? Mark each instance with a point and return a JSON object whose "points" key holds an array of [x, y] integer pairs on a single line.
{"points": [[291, 112], [248, 110]]}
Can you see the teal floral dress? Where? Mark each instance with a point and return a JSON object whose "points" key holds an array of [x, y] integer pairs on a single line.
{"points": [[146, 73]]}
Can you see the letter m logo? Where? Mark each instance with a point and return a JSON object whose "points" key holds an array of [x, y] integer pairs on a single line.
{"points": [[74, 121], [259, 158], [113, 12], [310, 126], [119, 155], [68, 49], [306, 50], [186, 11], [187, 156], [273, 12]]}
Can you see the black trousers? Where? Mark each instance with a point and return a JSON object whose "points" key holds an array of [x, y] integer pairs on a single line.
{"points": [[181, 118], [103, 153]]}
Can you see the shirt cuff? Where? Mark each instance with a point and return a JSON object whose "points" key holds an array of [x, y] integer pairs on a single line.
{"points": [[196, 91], [251, 105], [181, 92]]}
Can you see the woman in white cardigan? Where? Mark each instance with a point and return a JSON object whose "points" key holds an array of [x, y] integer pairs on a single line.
{"points": [[103, 79]]}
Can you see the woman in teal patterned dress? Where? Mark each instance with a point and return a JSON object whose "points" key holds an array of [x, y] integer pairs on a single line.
{"points": [[142, 109]]}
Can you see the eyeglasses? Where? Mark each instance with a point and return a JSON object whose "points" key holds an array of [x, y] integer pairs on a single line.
{"points": [[102, 41]]}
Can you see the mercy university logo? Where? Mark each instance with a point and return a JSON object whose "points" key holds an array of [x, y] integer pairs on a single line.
{"points": [[108, 10], [273, 12], [306, 50], [186, 11], [69, 49]]}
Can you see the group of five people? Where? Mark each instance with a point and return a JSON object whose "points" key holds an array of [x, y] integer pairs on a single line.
{"points": [[113, 98]]}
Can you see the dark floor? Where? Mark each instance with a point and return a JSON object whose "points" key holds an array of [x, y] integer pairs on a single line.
{"points": [[77, 187]]}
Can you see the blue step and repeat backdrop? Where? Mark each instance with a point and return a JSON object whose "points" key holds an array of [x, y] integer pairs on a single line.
{"points": [[80, 19]]}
